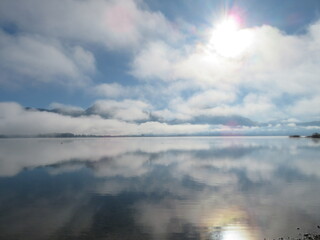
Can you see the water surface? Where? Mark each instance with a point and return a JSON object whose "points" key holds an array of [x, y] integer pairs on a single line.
{"points": [[224, 188]]}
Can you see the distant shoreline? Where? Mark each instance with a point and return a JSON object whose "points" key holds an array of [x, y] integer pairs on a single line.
{"points": [[314, 135], [71, 135], [135, 136]]}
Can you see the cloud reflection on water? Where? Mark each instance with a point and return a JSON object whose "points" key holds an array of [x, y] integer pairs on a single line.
{"points": [[168, 188]]}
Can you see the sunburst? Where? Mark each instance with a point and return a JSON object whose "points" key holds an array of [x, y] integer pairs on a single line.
{"points": [[229, 40]]}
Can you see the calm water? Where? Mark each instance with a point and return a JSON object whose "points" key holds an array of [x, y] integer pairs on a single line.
{"points": [[159, 188]]}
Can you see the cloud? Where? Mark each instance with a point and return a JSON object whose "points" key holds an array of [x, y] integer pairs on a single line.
{"points": [[15, 120], [154, 62], [110, 90], [202, 103], [179, 81], [274, 73], [132, 117], [66, 109], [307, 106], [215, 103], [51, 42], [209, 98], [26, 58], [128, 110], [113, 24]]}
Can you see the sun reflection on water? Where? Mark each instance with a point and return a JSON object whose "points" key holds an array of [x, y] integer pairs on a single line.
{"points": [[236, 233], [232, 232], [231, 224]]}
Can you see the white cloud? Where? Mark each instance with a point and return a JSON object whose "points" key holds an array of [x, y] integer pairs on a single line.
{"points": [[84, 59], [29, 57], [17, 120], [128, 110], [308, 106], [209, 98], [259, 107], [218, 103], [48, 44], [113, 23], [48, 48], [276, 65], [66, 109], [154, 62], [110, 90]]}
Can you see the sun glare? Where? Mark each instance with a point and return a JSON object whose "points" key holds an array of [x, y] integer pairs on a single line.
{"points": [[234, 233], [229, 40]]}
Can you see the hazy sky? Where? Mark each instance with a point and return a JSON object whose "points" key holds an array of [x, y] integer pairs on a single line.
{"points": [[158, 67]]}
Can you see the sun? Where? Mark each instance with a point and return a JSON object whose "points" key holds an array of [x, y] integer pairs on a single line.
{"points": [[228, 40]]}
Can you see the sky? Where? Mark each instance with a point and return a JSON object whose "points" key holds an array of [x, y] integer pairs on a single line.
{"points": [[132, 67]]}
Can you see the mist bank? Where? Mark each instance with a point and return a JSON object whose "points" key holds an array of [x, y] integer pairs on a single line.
{"points": [[19, 121]]}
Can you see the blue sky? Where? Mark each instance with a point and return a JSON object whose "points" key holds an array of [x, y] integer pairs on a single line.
{"points": [[159, 67]]}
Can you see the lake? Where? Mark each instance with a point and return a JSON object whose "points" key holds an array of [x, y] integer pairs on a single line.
{"points": [[218, 188]]}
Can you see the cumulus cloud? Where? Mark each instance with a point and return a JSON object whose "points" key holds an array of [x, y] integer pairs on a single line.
{"points": [[114, 24], [209, 98], [276, 67], [47, 44], [155, 62], [202, 103], [217, 103], [66, 109], [307, 106], [28, 57], [110, 90], [129, 110], [178, 79]]}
